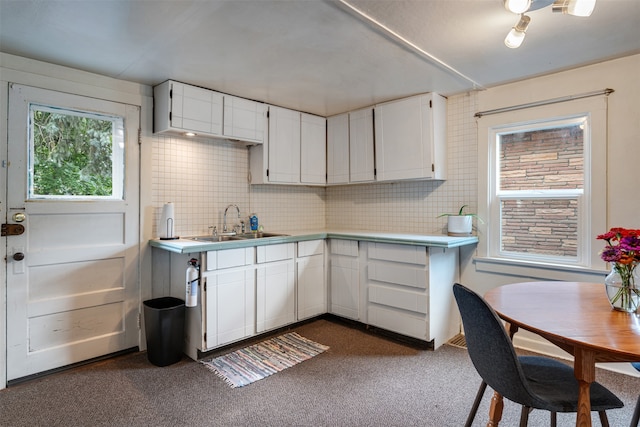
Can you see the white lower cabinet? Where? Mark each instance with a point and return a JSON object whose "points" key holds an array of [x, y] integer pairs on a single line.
{"points": [[228, 309], [409, 290], [230, 306], [406, 289], [310, 273], [344, 277], [275, 286]]}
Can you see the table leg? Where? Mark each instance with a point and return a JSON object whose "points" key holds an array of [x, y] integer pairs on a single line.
{"points": [[495, 410], [584, 367]]}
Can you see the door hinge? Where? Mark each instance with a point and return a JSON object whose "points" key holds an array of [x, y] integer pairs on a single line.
{"points": [[139, 320], [433, 167], [267, 114], [205, 337], [12, 229], [170, 93], [139, 136], [430, 104], [170, 117], [267, 173]]}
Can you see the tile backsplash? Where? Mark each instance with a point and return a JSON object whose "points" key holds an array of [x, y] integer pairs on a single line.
{"points": [[201, 177]]}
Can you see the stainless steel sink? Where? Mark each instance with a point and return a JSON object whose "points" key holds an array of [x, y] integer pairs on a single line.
{"points": [[214, 238], [244, 236], [258, 235]]}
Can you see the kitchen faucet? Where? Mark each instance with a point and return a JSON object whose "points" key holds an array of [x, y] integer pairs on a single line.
{"points": [[224, 221]]}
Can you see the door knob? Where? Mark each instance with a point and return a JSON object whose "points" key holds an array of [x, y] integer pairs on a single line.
{"points": [[19, 217], [18, 256]]}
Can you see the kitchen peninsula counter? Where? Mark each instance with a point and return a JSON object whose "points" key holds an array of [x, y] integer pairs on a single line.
{"points": [[186, 245]]}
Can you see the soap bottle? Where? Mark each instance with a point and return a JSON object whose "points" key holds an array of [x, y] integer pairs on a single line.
{"points": [[253, 222]]}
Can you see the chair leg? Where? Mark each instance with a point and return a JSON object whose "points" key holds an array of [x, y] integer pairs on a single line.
{"points": [[476, 404], [635, 420], [604, 420], [524, 416], [554, 419]]}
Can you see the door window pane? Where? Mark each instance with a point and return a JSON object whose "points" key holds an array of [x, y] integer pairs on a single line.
{"points": [[75, 154]]}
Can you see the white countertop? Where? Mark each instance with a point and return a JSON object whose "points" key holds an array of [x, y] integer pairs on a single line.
{"points": [[185, 245]]}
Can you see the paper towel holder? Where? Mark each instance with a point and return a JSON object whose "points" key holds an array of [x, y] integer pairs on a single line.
{"points": [[167, 223]]}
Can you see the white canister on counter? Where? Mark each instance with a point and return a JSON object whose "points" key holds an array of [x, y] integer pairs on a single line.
{"points": [[166, 227]]}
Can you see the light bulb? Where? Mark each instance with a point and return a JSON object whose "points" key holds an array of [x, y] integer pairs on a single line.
{"points": [[574, 7], [581, 7], [516, 36], [517, 6], [514, 39]]}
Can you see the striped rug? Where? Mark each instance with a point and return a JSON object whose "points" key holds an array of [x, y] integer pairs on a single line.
{"points": [[260, 360]]}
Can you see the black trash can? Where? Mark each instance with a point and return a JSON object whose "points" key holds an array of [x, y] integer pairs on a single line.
{"points": [[164, 327]]}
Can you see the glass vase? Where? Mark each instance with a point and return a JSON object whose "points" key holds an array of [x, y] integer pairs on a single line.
{"points": [[623, 290]]}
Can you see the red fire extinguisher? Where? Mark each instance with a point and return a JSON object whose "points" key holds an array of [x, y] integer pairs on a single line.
{"points": [[191, 299]]}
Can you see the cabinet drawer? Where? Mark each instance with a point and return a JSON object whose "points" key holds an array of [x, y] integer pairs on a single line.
{"points": [[398, 253], [229, 258], [400, 274], [403, 323], [311, 247], [344, 247], [399, 298], [273, 253]]}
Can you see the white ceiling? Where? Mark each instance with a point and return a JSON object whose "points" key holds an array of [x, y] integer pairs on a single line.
{"points": [[319, 56]]}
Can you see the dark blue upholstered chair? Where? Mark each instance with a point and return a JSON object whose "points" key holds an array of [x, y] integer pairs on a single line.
{"points": [[635, 420], [535, 382]]}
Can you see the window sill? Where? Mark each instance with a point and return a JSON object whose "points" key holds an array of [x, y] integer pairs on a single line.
{"points": [[537, 270]]}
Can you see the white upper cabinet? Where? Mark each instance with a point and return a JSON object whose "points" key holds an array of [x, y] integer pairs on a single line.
{"points": [[181, 108], [284, 146], [244, 120], [338, 149], [295, 151], [361, 146], [410, 138], [313, 149]]}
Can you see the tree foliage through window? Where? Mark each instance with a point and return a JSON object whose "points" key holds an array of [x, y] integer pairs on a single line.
{"points": [[72, 155]]}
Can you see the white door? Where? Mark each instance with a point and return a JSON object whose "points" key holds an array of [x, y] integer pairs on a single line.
{"points": [[72, 276]]}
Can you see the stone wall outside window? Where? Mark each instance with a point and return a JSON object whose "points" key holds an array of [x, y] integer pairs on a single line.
{"points": [[547, 159]]}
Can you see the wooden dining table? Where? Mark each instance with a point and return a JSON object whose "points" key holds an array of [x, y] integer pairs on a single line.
{"points": [[578, 318]]}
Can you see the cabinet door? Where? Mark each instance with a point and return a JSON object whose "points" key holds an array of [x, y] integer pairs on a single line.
{"points": [[312, 295], [244, 119], [338, 149], [196, 109], [275, 290], [230, 306], [344, 278], [361, 159], [403, 139], [345, 289], [313, 149], [284, 145]]}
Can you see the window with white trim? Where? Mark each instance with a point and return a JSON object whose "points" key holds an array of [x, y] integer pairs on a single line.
{"points": [[546, 183]]}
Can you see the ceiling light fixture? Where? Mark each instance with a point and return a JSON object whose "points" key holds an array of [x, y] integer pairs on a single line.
{"points": [[570, 7], [516, 36], [517, 6], [574, 7]]}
